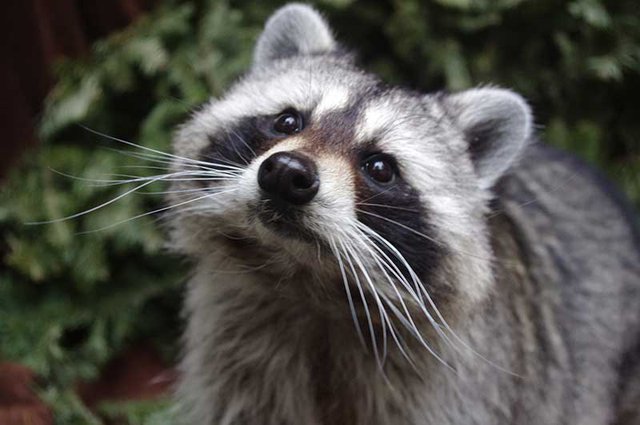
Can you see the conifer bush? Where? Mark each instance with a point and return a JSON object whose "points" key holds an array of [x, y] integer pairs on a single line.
{"points": [[75, 293]]}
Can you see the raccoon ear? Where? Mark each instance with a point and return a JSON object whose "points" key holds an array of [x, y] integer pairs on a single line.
{"points": [[295, 29], [497, 125]]}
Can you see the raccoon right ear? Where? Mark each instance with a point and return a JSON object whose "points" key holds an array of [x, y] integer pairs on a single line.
{"points": [[295, 29], [497, 124]]}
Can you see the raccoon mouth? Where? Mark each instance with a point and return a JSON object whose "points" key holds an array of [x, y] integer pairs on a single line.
{"points": [[284, 220]]}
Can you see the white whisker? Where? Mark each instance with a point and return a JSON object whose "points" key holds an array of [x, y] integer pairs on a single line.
{"points": [[154, 153], [387, 206], [407, 321], [238, 137], [111, 201], [352, 308], [354, 273], [209, 195], [396, 337], [436, 325], [381, 311], [427, 237]]}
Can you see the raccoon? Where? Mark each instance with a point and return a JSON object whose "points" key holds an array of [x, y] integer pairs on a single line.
{"points": [[366, 254]]}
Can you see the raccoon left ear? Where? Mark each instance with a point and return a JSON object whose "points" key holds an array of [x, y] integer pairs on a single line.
{"points": [[295, 29], [497, 125]]}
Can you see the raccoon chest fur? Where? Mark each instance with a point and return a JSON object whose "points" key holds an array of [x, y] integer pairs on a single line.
{"points": [[285, 362], [368, 255]]}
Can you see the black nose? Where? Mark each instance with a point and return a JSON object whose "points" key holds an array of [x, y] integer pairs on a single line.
{"points": [[289, 176]]}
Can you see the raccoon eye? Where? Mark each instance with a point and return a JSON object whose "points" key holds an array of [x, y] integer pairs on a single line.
{"points": [[288, 122], [380, 168]]}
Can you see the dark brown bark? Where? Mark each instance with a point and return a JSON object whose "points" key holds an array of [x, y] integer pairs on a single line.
{"points": [[138, 374], [19, 405], [36, 33]]}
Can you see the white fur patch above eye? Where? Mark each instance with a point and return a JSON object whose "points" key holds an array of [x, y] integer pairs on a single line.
{"points": [[287, 90], [334, 98], [375, 119]]}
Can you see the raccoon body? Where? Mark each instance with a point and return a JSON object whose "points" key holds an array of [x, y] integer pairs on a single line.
{"points": [[370, 255]]}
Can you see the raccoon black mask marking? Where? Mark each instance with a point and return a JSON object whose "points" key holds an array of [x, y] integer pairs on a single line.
{"points": [[369, 255]]}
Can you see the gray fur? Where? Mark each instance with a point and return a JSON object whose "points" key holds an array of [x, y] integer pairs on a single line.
{"points": [[295, 29], [498, 122], [538, 273]]}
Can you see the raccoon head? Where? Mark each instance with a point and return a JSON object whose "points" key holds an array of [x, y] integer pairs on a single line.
{"points": [[309, 163]]}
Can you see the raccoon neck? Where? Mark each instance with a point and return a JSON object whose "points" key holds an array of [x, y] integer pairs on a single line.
{"points": [[252, 357], [256, 355]]}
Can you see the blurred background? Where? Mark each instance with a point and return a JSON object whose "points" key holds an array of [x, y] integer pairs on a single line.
{"points": [[90, 307]]}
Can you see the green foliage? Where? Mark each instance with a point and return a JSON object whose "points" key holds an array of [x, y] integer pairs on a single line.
{"points": [[154, 412], [74, 293]]}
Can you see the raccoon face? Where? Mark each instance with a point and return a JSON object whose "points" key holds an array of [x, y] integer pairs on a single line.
{"points": [[310, 162]]}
